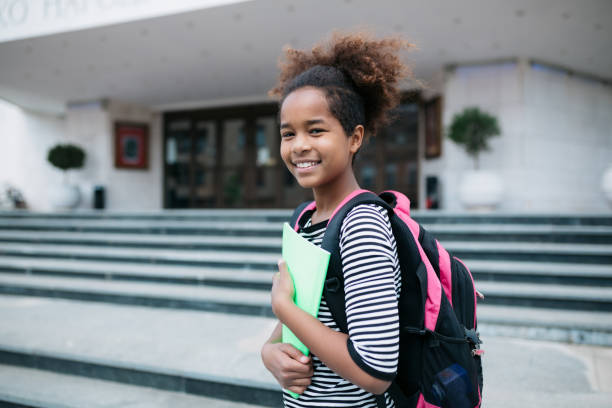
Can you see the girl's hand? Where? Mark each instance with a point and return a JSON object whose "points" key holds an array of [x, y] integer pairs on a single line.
{"points": [[282, 288], [288, 365]]}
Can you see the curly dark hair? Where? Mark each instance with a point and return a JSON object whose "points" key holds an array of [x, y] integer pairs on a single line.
{"points": [[360, 76]]}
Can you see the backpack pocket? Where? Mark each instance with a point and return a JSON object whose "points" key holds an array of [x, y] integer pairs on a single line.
{"points": [[449, 377], [449, 373]]}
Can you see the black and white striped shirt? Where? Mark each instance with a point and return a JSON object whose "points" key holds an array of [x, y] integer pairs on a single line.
{"points": [[372, 287]]}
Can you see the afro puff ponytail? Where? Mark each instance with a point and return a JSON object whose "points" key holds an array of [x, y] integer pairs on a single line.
{"points": [[360, 76]]}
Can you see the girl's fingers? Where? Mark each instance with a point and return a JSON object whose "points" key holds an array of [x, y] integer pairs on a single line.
{"points": [[295, 353], [297, 389], [299, 373], [300, 382], [283, 271], [282, 284], [294, 369]]}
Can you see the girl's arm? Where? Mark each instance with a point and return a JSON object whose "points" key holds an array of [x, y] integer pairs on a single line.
{"points": [[288, 365], [329, 345]]}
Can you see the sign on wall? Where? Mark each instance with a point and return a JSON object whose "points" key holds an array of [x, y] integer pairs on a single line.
{"points": [[131, 145]]}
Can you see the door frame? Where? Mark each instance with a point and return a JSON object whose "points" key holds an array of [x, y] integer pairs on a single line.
{"points": [[248, 113]]}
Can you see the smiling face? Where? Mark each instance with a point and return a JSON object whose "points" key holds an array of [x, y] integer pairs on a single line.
{"points": [[314, 146]]}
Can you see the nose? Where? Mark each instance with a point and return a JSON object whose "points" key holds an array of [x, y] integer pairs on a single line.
{"points": [[301, 143]]}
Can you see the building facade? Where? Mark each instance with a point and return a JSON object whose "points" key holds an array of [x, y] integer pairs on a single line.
{"points": [[192, 77]]}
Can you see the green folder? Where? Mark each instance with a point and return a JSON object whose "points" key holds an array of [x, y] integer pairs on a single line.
{"points": [[307, 264]]}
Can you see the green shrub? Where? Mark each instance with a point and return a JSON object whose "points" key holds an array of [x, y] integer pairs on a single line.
{"points": [[66, 157], [472, 129]]}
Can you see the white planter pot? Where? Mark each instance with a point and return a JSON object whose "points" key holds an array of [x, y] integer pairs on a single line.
{"points": [[480, 190], [65, 196], [606, 184]]}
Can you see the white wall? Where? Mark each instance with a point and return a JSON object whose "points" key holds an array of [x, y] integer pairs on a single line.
{"points": [[137, 189], [25, 139], [92, 127], [568, 124], [556, 136]]}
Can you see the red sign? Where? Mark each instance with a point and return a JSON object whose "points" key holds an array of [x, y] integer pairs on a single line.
{"points": [[131, 145]]}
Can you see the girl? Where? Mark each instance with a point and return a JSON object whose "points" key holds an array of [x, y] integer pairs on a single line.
{"points": [[331, 98]]}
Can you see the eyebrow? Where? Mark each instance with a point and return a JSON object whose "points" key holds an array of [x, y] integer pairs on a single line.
{"points": [[308, 123]]}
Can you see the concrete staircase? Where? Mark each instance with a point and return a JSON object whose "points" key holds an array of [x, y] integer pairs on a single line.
{"points": [[178, 300]]}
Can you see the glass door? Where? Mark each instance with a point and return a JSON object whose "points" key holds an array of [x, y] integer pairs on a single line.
{"points": [[401, 152], [267, 160], [205, 158], [389, 161], [178, 164], [233, 161]]}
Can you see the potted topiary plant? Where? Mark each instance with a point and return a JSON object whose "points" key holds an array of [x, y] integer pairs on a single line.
{"points": [[472, 129], [66, 157]]}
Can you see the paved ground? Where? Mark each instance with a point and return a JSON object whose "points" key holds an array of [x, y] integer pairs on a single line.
{"points": [[532, 373], [518, 372], [51, 390]]}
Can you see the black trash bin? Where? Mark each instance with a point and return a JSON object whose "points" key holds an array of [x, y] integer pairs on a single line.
{"points": [[99, 200], [432, 193]]}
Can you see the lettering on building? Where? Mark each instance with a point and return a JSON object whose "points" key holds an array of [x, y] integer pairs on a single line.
{"points": [[18, 12], [13, 12]]}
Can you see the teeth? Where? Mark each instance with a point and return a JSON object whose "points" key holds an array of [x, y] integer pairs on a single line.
{"points": [[306, 164]]}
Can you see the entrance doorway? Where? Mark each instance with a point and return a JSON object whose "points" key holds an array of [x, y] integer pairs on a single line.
{"points": [[229, 158], [222, 158]]}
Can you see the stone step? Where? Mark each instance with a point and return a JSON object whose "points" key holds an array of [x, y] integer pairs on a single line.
{"points": [[532, 252], [208, 258], [140, 272], [446, 217], [547, 296], [444, 233], [521, 233], [597, 234], [214, 227], [264, 215], [532, 272], [256, 302], [249, 302], [29, 387], [510, 251], [164, 241], [540, 272], [569, 326], [210, 354], [516, 316], [280, 215]]}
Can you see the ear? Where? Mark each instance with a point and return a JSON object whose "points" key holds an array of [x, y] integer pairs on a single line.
{"points": [[356, 139]]}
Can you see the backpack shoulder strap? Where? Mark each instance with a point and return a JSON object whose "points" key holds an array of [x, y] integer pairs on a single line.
{"points": [[413, 294], [298, 212], [334, 281]]}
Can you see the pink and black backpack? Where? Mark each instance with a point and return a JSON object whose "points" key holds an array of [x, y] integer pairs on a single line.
{"points": [[440, 356]]}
